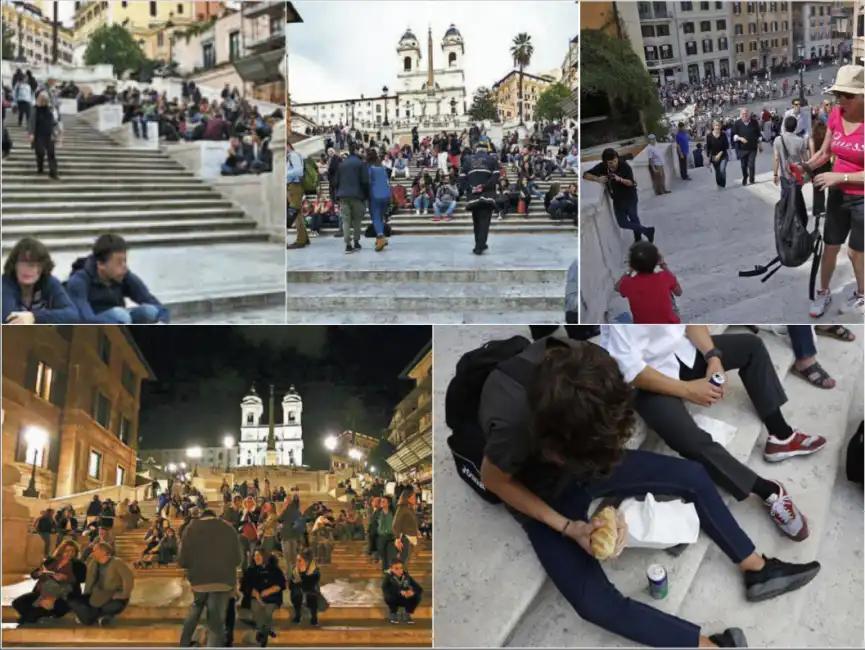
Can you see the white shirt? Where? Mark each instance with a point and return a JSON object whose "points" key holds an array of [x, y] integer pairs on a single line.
{"points": [[658, 346], [803, 122], [654, 155]]}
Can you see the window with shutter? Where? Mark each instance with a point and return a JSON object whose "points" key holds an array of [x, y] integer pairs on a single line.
{"points": [[21, 447], [58, 389], [30, 372]]}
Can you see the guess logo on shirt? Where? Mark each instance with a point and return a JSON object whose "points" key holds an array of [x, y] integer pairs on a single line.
{"points": [[847, 143]]}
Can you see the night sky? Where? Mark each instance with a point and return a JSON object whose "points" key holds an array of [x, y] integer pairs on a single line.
{"points": [[346, 376]]}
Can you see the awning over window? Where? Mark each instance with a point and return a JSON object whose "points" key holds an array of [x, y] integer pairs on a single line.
{"points": [[260, 68]]}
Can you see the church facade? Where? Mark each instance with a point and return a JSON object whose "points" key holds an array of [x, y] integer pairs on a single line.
{"points": [[252, 448], [422, 89]]}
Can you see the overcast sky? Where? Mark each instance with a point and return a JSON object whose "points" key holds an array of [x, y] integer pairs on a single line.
{"points": [[345, 48]]}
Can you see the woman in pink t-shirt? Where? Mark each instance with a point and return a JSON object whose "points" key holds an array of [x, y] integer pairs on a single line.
{"points": [[845, 141]]}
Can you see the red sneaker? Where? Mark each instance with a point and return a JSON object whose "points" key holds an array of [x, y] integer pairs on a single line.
{"points": [[799, 444], [786, 515]]}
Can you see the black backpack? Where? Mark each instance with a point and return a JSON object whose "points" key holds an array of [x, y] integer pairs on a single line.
{"points": [[794, 245], [856, 457], [462, 402]]}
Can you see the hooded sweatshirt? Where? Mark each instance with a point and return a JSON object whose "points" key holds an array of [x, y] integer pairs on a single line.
{"points": [[50, 305], [93, 296]]}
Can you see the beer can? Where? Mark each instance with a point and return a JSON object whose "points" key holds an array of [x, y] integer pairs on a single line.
{"points": [[717, 379], [657, 576]]}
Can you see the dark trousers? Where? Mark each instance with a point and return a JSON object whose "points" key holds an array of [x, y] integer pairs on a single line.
{"points": [[579, 576], [43, 147], [748, 160], [720, 168], [88, 614], [481, 217], [46, 544], [626, 217], [372, 549], [802, 340], [669, 418], [23, 111], [819, 207], [683, 166], [409, 604], [297, 601], [29, 613]]}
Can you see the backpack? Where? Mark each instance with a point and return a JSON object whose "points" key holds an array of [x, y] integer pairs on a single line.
{"points": [[794, 245], [399, 198], [311, 178], [462, 402], [856, 456]]}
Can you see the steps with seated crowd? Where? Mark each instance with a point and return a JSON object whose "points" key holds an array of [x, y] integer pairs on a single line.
{"points": [[407, 222], [343, 624], [704, 587]]}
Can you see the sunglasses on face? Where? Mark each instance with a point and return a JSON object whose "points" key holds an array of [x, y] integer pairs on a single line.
{"points": [[841, 95]]}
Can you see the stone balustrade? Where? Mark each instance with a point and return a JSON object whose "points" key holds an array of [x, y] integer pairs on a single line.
{"points": [[204, 158], [640, 165]]}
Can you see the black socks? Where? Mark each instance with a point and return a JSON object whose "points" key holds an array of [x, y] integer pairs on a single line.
{"points": [[764, 489], [777, 425]]}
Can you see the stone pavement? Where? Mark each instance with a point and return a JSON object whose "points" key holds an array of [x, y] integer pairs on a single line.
{"points": [[496, 594], [709, 234], [192, 280], [430, 279]]}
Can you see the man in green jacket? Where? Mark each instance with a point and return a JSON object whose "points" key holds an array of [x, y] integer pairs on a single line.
{"points": [[386, 549], [107, 587]]}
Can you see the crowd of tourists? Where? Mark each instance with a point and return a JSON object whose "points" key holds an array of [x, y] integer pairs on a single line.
{"points": [[363, 170], [98, 290], [239, 558], [820, 144]]}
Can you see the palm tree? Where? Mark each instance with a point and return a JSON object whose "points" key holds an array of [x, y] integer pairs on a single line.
{"points": [[522, 51]]}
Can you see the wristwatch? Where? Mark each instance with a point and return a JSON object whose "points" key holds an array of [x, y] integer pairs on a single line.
{"points": [[714, 353], [846, 178]]}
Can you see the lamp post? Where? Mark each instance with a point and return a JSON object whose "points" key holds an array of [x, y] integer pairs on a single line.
{"points": [[355, 455], [384, 95], [194, 453], [36, 439], [228, 443], [19, 7], [352, 113]]}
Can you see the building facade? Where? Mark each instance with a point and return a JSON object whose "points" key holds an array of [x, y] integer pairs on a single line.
{"points": [[36, 41], [818, 30], [218, 458], [347, 442], [413, 97], [254, 431], [79, 388], [410, 428], [570, 66], [291, 17], [507, 94], [762, 35]]}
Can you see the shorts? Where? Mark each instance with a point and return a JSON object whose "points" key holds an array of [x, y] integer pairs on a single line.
{"points": [[844, 216]]}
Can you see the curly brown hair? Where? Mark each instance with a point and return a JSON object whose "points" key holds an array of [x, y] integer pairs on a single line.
{"points": [[29, 249], [581, 410]]}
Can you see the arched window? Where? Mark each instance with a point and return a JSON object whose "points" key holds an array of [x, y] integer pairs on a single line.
{"points": [[452, 59], [291, 416], [406, 64], [250, 418]]}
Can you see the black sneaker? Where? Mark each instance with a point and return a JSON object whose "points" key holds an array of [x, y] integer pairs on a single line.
{"points": [[650, 234], [777, 578], [732, 637], [394, 619], [357, 245], [407, 619], [349, 249]]}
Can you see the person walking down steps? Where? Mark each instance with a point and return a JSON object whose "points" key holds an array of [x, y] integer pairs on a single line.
{"points": [[43, 131]]}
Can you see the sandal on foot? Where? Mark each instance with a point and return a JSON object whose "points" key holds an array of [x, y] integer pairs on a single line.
{"points": [[814, 375], [836, 332]]}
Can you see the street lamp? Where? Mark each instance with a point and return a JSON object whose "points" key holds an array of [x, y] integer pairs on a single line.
{"points": [[182, 465], [228, 443], [19, 7], [352, 113], [384, 91], [36, 439], [171, 468], [194, 453], [372, 469]]}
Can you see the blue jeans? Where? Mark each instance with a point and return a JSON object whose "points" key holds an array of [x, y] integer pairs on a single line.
{"points": [[142, 122], [533, 188], [421, 202], [216, 603], [626, 217], [579, 576], [448, 207], [141, 315], [802, 340], [377, 209], [721, 172]]}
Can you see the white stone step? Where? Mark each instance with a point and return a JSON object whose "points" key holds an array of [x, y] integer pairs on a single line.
{"points": [[85, 244], [384, 317]]}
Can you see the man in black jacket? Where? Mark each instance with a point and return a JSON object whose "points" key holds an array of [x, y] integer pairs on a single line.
{"points": [[746, 132], [400, 590], [480, 176], [352, 190]]}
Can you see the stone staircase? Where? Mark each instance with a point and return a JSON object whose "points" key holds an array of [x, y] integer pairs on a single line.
{"points": [[536, 221], [527, 610], [170, 219], [161, 598]]}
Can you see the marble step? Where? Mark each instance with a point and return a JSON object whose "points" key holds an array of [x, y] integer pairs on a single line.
{"points": [[76, 173], [44, 211], [423, 317], [203, 221], [97, 195], [433, 275], [75, 165], [85, 243]]}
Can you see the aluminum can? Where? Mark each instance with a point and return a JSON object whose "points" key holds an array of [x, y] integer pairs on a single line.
{"points": [[657, 576], [717, 379]]}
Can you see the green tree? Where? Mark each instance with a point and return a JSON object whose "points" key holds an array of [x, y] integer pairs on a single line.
{"points": [[8, 43], [114, 45], [521, 52], [483, 105], [548, 106], [609, 67]]}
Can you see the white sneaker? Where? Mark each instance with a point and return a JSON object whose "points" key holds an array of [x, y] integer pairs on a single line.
{"points": [[855, 304], [821, 302], [417, 213]]}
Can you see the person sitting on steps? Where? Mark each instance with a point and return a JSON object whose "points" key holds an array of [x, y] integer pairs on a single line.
{"points": [[400, 591]]}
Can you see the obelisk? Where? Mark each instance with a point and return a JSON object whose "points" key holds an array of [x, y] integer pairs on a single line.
{"points": [[431, 102], [272, 456]]}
